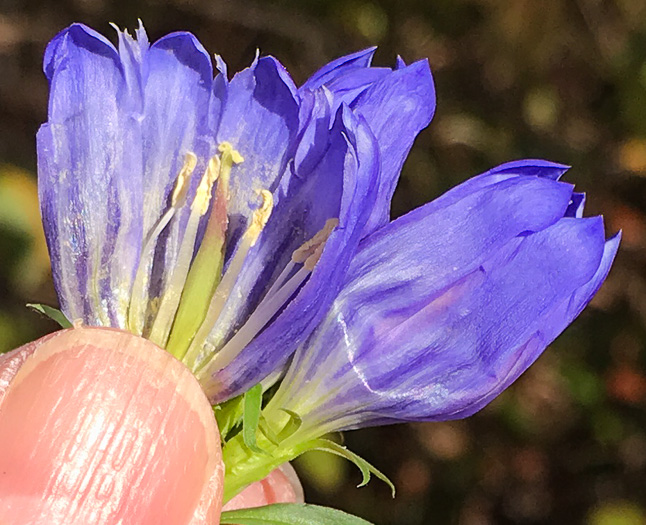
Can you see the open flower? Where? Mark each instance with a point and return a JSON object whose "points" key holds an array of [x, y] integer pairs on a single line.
{"points": [[215, 217], [446, 306]]}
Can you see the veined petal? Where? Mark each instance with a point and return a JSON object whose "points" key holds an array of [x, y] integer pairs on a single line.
{"points": [[89, 208], [397, 108], [509, 170], [553, 323], [349, 169], [444, 307], [132, 52], [260, 119], [219, 94], [396, 104], [303, 201], [346, 77], [316, 117], [177, 78]]}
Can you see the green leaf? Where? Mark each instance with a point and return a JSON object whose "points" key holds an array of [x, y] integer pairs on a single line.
{"points": [[366, 468], [251, 417], [290, 514], [53, 313]]}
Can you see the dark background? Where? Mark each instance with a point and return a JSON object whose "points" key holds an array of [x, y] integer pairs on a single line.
{"points": [[556, 79]]}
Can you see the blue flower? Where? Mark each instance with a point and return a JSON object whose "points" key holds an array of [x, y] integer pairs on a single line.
{"points": [[446, 306], [216, 217]]}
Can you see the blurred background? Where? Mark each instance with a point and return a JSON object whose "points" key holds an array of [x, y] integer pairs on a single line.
{"points": [[563, 80]]}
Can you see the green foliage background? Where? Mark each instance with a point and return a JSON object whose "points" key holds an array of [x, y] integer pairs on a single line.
{"points": [[558, 79]]}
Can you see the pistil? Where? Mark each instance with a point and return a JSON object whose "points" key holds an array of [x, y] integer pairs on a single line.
{"points": [[173, 290], [222, 292], [308, 254], [206, 270]]}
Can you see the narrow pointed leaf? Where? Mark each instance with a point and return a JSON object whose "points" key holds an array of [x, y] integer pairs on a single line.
{"points": [[294, 423], [366, 468], [228, 415], [268, 432], [290, 514], [251, 417], [53, 313]]}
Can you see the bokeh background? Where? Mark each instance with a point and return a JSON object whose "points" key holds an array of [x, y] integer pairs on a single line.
{"points": [[558, 79]]}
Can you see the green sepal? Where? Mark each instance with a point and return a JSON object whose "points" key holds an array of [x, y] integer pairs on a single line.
{"points": [[53, 313], [266, 430], [229, 415], [252, 400], [292, 425], [290, 514], [366, 468]]}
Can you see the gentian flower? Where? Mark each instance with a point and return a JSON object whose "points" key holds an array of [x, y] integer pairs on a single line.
{"points": [[243, 225], [446, 306], [216, 218]]}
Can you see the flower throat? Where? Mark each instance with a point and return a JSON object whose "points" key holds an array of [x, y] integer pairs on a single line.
{"points": [[196, 290]]}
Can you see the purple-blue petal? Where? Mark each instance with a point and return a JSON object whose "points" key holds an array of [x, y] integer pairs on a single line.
{"points": [[447, 305], [177, 73], [397, 108], [132, 52], [340, 67], [316, 113], [509, 170], [260, 119], [350, 170], [577, 204], [557, 319], [89, 207]]}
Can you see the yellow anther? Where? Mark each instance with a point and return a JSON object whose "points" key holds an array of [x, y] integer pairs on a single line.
{"points": [[227, 150], [311, 261], [311, 250], [203, 193], [181, 186], [262, 214]]}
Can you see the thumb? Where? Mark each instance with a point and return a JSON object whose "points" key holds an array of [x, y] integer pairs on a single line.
{"points": [[101, 426]]}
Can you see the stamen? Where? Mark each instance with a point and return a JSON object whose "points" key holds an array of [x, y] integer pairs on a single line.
{"points": [[173, 290], [228, 151], [138, 296], [181, 185], [203, 194], [247, 241], [206, 269], [256, 322], [281, 279], [272, 302], [310, 248]]}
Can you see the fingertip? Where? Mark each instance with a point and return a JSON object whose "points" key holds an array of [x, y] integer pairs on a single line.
{"points": [[101, 426]]}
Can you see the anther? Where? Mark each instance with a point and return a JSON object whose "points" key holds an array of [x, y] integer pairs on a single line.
{"points": [[139, 295], [315, 245], [181, 185], [204, 190]]}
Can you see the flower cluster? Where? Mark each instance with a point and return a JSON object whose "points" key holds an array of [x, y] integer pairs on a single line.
{"points": [[243, 224]]}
